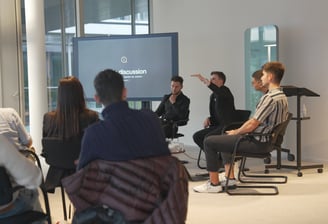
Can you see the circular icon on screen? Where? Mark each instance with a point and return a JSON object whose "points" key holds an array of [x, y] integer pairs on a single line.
{"points": [[124, 59]]}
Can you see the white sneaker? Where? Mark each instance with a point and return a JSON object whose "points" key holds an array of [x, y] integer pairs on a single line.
{"points": [[208, 188], [231, 185], [222, 176]]}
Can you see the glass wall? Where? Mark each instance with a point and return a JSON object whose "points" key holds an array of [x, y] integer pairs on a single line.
{"points": [[100, 17]]}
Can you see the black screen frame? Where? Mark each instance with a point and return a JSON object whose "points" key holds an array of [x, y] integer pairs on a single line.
{"points": [[174, 60]]}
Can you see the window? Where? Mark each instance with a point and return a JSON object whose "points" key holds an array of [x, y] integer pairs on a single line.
{"points": [[100, 17]]}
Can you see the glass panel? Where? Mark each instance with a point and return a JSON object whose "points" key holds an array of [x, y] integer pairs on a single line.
{"points": [[141, 17], [113, 17], [261, 46], [59, 15], [101, 17], [109, 17]]}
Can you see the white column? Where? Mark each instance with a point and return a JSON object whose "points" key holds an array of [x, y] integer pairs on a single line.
{"points": [[36, 63]]}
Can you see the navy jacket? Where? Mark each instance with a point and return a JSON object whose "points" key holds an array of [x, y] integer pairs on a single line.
{"points": [[124, 134]]}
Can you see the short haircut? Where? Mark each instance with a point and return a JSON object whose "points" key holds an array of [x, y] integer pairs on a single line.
{"points": [[177, 79], [257, 75], [221, 75], [109, 86], [276, 68]]}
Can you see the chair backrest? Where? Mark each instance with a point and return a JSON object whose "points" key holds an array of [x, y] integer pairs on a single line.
{"points": [[279, 131], [177, 124], [60, 153], [184, 121], [242, 115]]}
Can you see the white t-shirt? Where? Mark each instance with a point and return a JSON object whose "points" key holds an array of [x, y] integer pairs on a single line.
{"points": [[12, 127]]}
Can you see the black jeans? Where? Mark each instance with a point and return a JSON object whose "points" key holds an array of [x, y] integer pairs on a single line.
{"points": [[200, 135]]}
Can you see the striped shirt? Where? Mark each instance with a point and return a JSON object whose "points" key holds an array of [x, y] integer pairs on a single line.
{"points": [[271, 110]]}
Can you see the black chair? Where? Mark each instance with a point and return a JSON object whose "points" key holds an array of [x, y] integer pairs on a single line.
{"points": [[176, 146], [176, 125], [241, 116], [61, 155], [279, 149], [257, 179], [6, 191]]}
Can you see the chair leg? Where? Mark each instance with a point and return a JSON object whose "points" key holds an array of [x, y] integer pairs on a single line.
{"points": [[247, 178], [64, 202], [198, 160], [46, 202], [235, 190], [273, 189]]}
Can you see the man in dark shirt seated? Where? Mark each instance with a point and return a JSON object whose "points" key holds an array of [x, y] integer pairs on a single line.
{"points": [[221, 107], [174, 107], [124, 134]]}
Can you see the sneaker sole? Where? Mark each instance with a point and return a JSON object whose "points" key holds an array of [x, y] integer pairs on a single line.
{"points": [[209, 191], [229, 187]]}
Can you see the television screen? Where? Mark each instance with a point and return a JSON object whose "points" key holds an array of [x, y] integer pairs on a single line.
{"points": [[146, 62]]}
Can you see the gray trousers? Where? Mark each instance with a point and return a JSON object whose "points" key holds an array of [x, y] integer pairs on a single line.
{"points": [[225, 145]]}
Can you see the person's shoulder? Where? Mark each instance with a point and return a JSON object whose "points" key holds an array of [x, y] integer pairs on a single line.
{"points": [[166, 97], [8, 110], [185, 96], [49, 115], [147, 112], [93, 127], [225, 87], [90, 113]]}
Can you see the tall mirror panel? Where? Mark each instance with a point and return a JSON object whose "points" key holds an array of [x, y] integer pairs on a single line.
{"points": [[261, 46]]}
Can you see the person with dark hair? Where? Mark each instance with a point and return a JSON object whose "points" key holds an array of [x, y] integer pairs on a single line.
{"points": [[173, 107], [71, 115], [257, 82], [67, 122], [124, 134], [221, 107], [270, 111]]}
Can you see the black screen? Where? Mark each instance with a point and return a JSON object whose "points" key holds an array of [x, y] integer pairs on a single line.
{"points": [[147, 62]]}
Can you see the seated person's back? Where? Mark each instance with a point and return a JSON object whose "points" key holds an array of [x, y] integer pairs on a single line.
{"points": [[124, 134], [67, 122], [125, 146]]}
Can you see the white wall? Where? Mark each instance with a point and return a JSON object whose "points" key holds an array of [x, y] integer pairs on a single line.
{"points": [[211, 38]]}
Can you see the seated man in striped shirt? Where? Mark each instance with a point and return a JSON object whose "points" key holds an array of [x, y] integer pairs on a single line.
{"points": [[270, 111]]}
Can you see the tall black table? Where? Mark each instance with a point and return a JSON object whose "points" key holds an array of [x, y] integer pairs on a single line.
{"points": [[298, 92]]}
